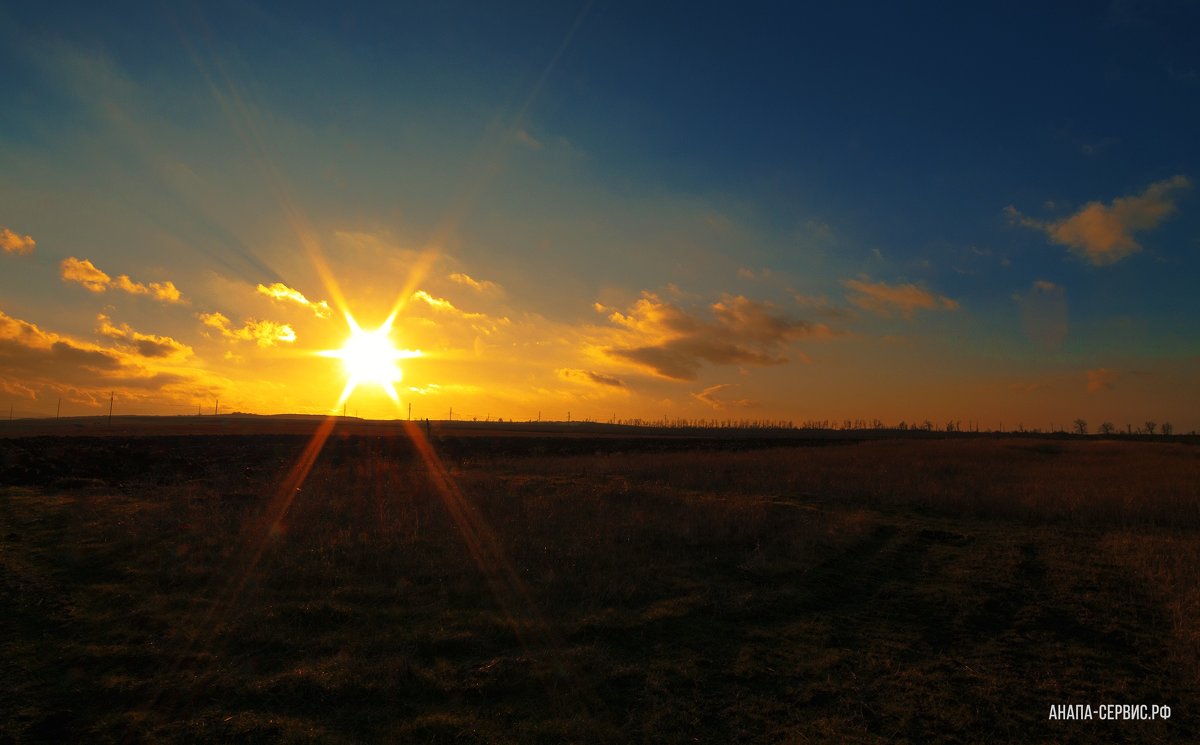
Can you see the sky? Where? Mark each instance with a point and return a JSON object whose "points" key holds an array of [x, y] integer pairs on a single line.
{"points": [[984, 213]]}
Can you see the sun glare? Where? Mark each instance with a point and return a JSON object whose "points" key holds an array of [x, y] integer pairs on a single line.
{"points": [[370, 357]]}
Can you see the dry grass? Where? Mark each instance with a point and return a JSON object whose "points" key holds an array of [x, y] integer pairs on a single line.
{"points": [[881, 591]]}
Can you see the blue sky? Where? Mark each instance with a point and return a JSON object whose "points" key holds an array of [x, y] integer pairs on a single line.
{"points": [[993, 205]]}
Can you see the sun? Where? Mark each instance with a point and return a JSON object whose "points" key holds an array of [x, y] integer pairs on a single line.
{"points": [[369, 357]]}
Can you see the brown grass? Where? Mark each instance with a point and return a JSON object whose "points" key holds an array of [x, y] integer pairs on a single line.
{"points": [[880, 591]]}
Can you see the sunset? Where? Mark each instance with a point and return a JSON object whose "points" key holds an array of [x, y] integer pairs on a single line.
{"points": [[717, 214], [654, 257]]}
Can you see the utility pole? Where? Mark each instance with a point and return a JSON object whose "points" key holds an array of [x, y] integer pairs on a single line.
{"points": [[410, 411], [568, 417], [10, 408], [58, 412], [452, 413], [111, 396], [216, 403]]}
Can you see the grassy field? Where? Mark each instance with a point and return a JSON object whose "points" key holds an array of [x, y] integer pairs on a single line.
{"points": [[245, 588]]}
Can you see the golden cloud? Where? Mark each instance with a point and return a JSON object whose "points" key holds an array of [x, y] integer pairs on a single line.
{"points": [[84, 272], [442, 305], [1103, 234], [262, 333], [884, 299], [144, 345], [15, 243], [475, 284], [32, 358], [709, 396], [674, 343], [280, 291]]}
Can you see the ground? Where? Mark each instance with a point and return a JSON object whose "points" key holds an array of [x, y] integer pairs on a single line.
{"points": [[554, 588]]}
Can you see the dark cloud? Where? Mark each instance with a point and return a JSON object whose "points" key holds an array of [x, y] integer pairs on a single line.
{"points": [[591, 376], [33, 359], [681, 358], [65, 353], [144, 345]]}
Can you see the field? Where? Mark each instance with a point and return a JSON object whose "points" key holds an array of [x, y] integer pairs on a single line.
{"points": [[501, 589]]}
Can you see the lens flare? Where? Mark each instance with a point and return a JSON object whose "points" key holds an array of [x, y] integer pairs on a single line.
{"points": [[369, 357]]}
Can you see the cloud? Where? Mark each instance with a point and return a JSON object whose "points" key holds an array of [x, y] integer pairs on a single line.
{"points": [[528, 140], [821, 305], [709, 396], [280, 291], [819, 229], [884, 299], [262, 333], [1104, 234], [1044, 314], [84, 272], [590, 376], [28, 349], [144, 345], [33, 359], [1101, 380], [475, 284], [443, 305], [15, 243], [674, 343]]}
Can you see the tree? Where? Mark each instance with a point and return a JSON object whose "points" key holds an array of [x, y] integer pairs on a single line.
{"points": [[1081, 426], [1167, 428], [1150, 425], [1107, 428]]}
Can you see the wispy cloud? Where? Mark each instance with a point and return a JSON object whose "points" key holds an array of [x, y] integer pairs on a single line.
{"points": [[15, 243], [442, 305], [280, 291], [528, 140], [710, 396], [262, 333], [884, 299], [1104, 234], [85, 273], [590, 376], [1101, 380], [477, 285], [674, 343]]}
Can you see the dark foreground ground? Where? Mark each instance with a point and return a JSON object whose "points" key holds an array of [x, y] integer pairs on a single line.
{"points": [[247, 588]]}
